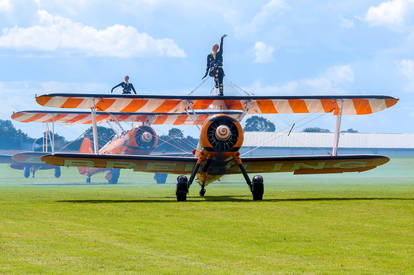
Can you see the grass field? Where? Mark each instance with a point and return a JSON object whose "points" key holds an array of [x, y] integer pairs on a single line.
{"points": [[354, 223]]}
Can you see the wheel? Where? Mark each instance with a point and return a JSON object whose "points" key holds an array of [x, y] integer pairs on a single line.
{"points": [[257, 188], [161, 178], [88, 179], [57, 172], [26, 171], [114, 176], [202, 192], [182, 188]]}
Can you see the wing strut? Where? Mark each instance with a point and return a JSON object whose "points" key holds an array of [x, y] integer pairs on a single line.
{"points": [[94, 131], [53, 134], [337, 129]]}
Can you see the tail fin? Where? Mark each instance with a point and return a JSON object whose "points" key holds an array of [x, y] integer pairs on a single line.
{"points": [[86, 148]]}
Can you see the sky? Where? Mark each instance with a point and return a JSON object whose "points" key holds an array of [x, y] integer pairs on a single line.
{"points": [[274, 47]]}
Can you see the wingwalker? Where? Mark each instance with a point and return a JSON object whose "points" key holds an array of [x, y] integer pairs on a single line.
{"points": [[221, 136]]}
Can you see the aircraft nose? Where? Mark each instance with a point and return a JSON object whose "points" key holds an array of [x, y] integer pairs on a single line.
{"points": [[146, 137], [223, 133]]}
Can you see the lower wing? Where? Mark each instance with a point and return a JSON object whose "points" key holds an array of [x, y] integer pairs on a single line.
{"points": [[153, 164], [184, 165], [311, 164]]}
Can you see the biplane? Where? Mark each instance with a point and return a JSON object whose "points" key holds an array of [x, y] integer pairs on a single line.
{"points": [[30, 162], [139, 140], [221, 136]]}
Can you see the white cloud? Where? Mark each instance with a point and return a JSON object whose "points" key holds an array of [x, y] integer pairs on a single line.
{"points": [[5, 5], [60, 33], [406, 69], [333, 80], [263, 52], [388, 13], [267, 11]]}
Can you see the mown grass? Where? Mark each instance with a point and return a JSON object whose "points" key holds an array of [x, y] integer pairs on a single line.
{"points": [[354, 223]]}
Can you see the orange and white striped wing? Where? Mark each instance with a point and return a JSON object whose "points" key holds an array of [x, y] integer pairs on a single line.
{"points": [[351, 105], [86, 118]]}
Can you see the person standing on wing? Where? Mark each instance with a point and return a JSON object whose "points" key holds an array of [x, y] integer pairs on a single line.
{"points": [[215, 65], [126, 87]]}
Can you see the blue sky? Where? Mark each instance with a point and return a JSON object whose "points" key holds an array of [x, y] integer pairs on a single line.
{"points": [[274, 47]]}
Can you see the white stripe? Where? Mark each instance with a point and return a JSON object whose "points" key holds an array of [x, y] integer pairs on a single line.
{"points": [[377, 105], [282, 106], [314, 105], [348, 107], [119, 104]]}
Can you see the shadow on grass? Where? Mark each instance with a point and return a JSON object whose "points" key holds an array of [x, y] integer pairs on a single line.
{"points": [[232, 199]]}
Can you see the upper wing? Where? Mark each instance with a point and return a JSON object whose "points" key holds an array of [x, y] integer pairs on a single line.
{"points": [[86, 117], [352, 105], [153, 164], [312, 164]]}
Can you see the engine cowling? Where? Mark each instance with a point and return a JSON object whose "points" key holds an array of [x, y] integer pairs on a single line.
{"points": [[145, 137], [221, 134]]}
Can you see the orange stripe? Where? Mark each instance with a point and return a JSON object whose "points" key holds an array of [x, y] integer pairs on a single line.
{"points": [[202, 104], [135, 105], [362, 106], [180, 120], [329, 105], [101, 117], [34, 118], [202, 118], [15, 116], [141, 118], [59, 117], [233, 104], [76, 118], [104, 104], [390, 102], [71, 102], [160, 119], [266, 106], [167, 106], [298, 106], [43, 100]]}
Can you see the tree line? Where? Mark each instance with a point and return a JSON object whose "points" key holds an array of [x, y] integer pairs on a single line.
{"points": [[12, 138]]}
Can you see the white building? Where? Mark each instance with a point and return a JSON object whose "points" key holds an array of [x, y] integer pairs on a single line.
{"points": [[322, 143]]}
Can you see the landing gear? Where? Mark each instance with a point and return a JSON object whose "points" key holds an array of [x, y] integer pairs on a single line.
{"points": [[114, 176], [57, 172], [26, 171], [257, 188], [182, 188], [202, 191], [161, 178]]}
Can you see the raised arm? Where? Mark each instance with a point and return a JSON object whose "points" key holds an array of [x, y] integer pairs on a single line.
{"points": [[221, 42], [116, 87]]}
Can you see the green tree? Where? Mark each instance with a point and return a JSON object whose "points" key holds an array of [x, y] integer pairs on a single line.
{"points": [[259, 124], [175, 133], [104, 136]]}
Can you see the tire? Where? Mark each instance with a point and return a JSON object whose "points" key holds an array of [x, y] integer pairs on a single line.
{"points": [[26, 171], [57, 172], [115, 176], [257, 188], [161, 178], [182, 188]]}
